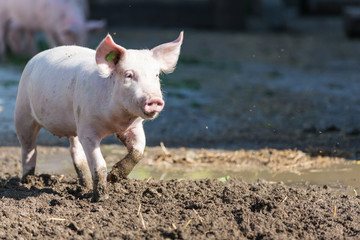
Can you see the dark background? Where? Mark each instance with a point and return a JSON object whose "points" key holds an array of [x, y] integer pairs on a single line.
{"points": [[213, 14]]}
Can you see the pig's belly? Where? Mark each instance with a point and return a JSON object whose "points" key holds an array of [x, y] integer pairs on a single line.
{"points": [[56, 116]]}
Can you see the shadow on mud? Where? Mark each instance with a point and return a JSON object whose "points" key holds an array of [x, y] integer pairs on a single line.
{"points": [[34, 186]]}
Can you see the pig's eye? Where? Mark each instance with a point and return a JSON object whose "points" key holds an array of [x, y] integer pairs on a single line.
{"points": [[157, 75], [129, 75]]}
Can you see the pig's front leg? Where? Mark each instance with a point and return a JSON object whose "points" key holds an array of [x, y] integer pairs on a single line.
{"points": [[134, 140], [91, 145], [80, 163]]}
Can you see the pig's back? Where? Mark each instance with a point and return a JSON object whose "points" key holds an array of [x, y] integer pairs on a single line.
{"points": [[49, 81], [68, 57]]}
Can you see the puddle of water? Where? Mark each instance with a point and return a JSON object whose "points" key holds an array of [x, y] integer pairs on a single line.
{"points": [[336, 175], [59, 161]]}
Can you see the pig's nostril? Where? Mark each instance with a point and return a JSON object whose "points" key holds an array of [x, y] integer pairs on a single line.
{"points": [[154, 105]]}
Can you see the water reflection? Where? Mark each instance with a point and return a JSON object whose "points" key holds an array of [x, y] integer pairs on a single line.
{"points": [[59, 161]]}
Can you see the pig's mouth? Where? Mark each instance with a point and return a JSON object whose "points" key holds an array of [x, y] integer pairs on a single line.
{"points": [[152, 107], [150, 115]]}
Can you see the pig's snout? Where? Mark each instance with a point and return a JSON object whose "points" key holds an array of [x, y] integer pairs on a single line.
{"points": [[153, 105]]}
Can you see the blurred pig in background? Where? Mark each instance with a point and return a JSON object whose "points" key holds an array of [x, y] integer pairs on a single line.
{"points": [[3, 24], [63, 22]]}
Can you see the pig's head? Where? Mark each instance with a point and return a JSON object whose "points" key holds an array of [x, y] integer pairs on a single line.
{"points": [[72, 26], [135, 74]]}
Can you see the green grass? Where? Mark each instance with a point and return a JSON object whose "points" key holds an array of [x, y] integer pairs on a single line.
{"points": [[220, 65], [9, 83], [269, 93], [195, 104], [176, 95], [17, 60], [185, 83], [275, 74], [187, 60], [267, 125], [336, 86], [21, 60], [42, 44], [230, 65]]}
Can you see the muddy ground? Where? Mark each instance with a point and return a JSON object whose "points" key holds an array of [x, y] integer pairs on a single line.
{"points": [[250, 100], [55, 206]]}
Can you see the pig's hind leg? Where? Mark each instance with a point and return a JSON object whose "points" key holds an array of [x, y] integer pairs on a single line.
{"points": [[80, 163]]}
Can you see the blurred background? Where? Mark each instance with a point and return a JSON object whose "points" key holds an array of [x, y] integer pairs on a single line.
{"points": [[277, 81], [252, 73], [223, 14]]}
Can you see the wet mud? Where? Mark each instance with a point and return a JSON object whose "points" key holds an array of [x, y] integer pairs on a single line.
{"points": [[53, 206], [56, 206]]}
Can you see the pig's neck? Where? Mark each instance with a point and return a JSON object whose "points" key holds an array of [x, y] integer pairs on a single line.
{"points": [[120, 120], [109, 122]]}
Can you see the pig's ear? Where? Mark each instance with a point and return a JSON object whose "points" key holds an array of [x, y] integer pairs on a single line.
{"points": [[108, 54], [167, 54]]}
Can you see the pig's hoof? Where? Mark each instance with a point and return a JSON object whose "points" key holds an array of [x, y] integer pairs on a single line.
{"points": [[112, 178], [99, 196], [99, 192], [86, 183], [84, 176], [27, 175], [27, 178]]}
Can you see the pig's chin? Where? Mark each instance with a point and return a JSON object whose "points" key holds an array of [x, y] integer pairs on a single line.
{"points": [[150, 116], [140, 112]]}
